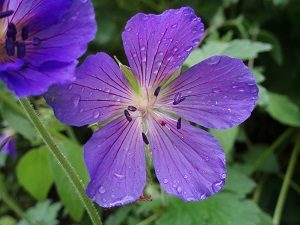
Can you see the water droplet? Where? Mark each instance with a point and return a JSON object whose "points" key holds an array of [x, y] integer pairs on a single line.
{"points": [[217, 186], [213, 60], [185, 176], [70, 87], [120, 176], [134, 55], [175, 49], [189, 48], [102, 190], [96, 114], [165, 181], [216, 90], [81, 110], [174, 25], [223, 176], [143, 48], [107, 90], [84, 1], [241, 90], [75, 100], [128, 29], [202, 197], [179, 189]]}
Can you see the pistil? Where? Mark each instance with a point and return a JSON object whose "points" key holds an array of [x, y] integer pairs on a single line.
{"points": [[6, 14]]}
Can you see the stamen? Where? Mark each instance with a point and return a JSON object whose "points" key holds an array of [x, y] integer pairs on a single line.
{"points": [[132, 108], [162, 123], [145, 139], [6, 14], [10, 46], [25, 33], [21, 50], [178, 123], [178, 98], [157, 90], [36, 41], [11, 31], [127, 115]]}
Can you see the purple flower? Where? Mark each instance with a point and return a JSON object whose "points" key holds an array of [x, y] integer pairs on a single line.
{"points": [[10, 146], [41, 40], [218, 93]]}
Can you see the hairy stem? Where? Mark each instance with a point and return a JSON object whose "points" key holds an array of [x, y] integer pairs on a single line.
{"points": [[285, 185], [61, 160]]}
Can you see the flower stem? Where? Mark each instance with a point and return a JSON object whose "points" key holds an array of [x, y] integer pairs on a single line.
{"points": [[261, 159], [286, 183], [13, 205], [61, 160], [150, 219]]}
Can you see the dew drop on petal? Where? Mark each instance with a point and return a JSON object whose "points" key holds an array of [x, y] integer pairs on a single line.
{"points": [[96, 114], [120, 176], [70, 87], [213, 60], [185, 176], [217, 186], [165, 181], [174, 25], [75, 100], [102, 190], [179, 189]]}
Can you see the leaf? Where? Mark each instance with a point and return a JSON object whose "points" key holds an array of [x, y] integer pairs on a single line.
{"points": [[239, 48], [222, 209], [263, 96], [238, 183], [67, 194], [7, 220], [34, 173], [119, 216], [265, 219], [226, 138], [43, 213], [18, 123], [282, 109]]}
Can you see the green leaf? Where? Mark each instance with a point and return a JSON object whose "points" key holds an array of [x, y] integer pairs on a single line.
{"points": [[18, 123], [263, 96], [238, 183], [34, 173], [265, 219], [221, 209], [119, 216], [69, 197], [44, 213], [239, 48], [226, 138], [7, 220], [282, 109]]}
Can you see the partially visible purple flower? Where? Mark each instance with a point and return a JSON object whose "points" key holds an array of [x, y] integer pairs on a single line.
{"points": [[217, 93], [40, 41], [9, 147]]}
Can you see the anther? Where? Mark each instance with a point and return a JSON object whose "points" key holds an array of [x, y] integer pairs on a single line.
{"points": [[156, 92], [10, 46], [132, 108], [162, 123], [11, 31], [25, 33], [6, 14], [145, 139], [178, 123], [127, 115], [21, 50], [178, 98]]}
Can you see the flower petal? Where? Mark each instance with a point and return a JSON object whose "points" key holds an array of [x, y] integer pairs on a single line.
{"points": [[37, 14], [219, 92], [66, 40], [157, 45], [188, 162], [116, 161], [99, 92], [33, 80]]}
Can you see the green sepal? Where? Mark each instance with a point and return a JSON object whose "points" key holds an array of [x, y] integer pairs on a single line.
{"points": [[129, 76]]}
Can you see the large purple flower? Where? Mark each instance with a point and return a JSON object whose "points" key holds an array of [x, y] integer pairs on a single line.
{"points": [[218, 93], [40, 41]]}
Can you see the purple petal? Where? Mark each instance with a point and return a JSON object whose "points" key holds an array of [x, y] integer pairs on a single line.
{"points": [[10, 146], [157, 45], [188, 161], [66, 40], [33, 80], [219, 92], [37, 14], [115, 160], [99, 92]]}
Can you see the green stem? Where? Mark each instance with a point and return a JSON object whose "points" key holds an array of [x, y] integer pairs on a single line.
{"points": [[61, 160], [286, 182], [13, 205], [261, 159]]}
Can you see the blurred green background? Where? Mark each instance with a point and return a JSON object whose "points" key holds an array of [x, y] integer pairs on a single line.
{"points": [[266, 35]]}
